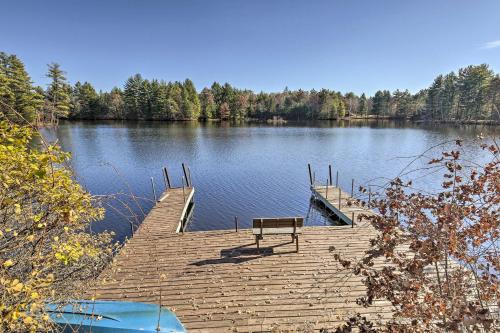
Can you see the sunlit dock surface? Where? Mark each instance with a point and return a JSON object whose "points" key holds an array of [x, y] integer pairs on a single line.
{"points": [[217, 281]]}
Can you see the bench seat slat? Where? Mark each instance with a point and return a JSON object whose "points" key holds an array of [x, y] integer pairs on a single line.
{"points": [[276, 231], [278, 222]]}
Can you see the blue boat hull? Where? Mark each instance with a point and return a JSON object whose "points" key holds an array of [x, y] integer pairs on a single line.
{"points": [[111, 316]]}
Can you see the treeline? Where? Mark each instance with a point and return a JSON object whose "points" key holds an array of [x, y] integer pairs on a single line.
{"points": [[471, 94], [140, 99], [20, 101]]}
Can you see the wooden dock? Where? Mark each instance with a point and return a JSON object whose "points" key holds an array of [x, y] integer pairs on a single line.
{"points": [[340, 203], [216, 281]]}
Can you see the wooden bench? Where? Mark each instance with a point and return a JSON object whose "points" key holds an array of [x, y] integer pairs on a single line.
{"points": [[278, 226]]}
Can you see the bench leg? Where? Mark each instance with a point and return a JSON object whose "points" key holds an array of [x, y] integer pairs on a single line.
{"points": [[293, 237], [257, 238], [297, 243]]}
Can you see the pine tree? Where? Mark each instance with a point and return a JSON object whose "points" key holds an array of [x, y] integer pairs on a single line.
{"points": [[363, 105], [7, 97], [434, 99], [494, 98], [145, 100], [58, 94], [378, 103], [473, 84], [84, 102], [229, 98], [387, 105], [132, 96], [216, 89], [449, 96], [402, 101], [19, 101], [158, 100], [175, 101]]}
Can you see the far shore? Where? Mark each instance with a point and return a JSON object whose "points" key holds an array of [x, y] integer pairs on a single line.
{"points": [[284, 121]]}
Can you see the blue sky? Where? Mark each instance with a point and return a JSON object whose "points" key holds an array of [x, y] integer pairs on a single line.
{"points": [[349, 45]]}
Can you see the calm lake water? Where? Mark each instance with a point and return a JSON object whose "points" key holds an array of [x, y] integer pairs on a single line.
{"points": [[244, 170]]}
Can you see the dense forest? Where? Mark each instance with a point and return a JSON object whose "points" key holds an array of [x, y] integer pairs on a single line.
{"points": [[471, 94]]}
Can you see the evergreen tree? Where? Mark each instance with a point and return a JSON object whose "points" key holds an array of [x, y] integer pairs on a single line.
{"points": [[402, 101], [473, 86], [85, 101], [19, 101], [58, 100], [38, 104], [132, 96], [434, 98], [387, 105], [363, 105], [145, 100], [378, 103], [176, 101], [450, 96], [494, 98], [158, 100], [229, 98]]}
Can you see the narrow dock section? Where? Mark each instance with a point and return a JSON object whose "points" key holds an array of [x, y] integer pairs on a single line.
{"points": [[340, 203], [169, 215]]}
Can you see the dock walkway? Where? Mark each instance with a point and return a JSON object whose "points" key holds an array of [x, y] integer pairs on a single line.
{"points": [[216, 281], [340, 203]]}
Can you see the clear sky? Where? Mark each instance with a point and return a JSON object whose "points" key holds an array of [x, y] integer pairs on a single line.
{"points": [[261, 44]]}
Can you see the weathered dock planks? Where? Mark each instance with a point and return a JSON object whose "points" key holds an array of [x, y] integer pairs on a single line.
{"points": [[217, 281], [340, 203]]}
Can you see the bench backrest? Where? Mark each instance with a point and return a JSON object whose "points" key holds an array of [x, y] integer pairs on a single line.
{"points": [[290, 224]]}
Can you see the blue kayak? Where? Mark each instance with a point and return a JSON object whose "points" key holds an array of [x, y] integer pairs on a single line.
{"points": [[111, 316]]}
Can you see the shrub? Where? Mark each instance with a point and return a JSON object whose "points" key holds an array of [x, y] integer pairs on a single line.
{"points": [[47, 252]]}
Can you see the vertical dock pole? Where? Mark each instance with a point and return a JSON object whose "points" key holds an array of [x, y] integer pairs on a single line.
{"points": [[310, 174], [189, 174], [352, 188], [326, 190], [352, 220], [185, 174], [236, 223], [337, 179], [340, 197], [183, 190], [369, 196], [153, 187], [166, 178], [330, 173]]}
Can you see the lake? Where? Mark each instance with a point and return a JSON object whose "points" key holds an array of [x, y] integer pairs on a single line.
{"points": [[244, 170]]}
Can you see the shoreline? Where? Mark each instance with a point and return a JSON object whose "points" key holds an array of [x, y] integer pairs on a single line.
{"points": [[285, 121]]}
